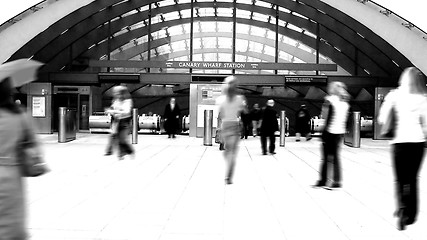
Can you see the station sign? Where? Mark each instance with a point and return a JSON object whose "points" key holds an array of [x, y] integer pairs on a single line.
{"points": [[213, 65]]}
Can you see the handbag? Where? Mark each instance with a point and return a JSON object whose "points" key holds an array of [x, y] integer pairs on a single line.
{"points": [[28, 155], [389, 127]]}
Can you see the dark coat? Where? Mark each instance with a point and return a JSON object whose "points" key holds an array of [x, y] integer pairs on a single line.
{"points": [[302, 121], [269, 123], [171, 118]]}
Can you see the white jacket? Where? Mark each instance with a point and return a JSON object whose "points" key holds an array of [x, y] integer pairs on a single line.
{"points": [[411, 116]]}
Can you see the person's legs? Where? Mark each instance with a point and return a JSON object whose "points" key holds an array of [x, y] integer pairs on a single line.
{"points": [[124, 146], [402, 182], [272, 147], [324, 164], [263, 144], [297, 136], [230, 154], [336, 141], [417, 154], [112, 140]]}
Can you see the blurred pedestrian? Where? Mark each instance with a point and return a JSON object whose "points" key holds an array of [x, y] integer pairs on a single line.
{"points": [[121, 110], [17, 136], [335, 111], [302, 123], [171, 116], [409, 102], [256, 114], [230, 106], [269, 126], [245, 120]]}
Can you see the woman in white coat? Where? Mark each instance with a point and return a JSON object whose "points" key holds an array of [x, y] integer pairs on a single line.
{"points": [[409, 102]]}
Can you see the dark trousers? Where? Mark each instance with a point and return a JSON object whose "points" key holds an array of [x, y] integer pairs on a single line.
{"points": [[272, 146], [407, 159], [331, 144]]}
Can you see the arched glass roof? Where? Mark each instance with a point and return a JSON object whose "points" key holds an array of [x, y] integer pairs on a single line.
{"points": [[212, 36]]}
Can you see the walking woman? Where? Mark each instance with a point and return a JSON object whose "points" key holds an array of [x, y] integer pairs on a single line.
{"points": [[335, 112], [409, 102], [230, 106], [121, 110]]}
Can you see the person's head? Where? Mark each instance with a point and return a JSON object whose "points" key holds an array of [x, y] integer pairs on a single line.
{"points": [[339, 89], [256, 106], [303, 106], [172, 101], [230, 85], [270, 103], [412, 81], [6, 96], [121, 93]]}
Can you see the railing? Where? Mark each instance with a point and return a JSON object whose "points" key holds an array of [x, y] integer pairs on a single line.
{"points": [[387, 12], [25, 13]]}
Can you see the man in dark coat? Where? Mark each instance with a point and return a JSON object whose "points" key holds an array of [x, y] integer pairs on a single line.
{"points": [[302, 123], [171, 117], [269, 126]]}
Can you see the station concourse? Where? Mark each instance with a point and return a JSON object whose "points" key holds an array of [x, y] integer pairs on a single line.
{"points": [[287, 50], [174, 189]]}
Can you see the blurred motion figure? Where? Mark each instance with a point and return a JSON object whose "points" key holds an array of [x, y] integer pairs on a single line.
{"points": [[230, 106], [335, 112], [16, 132], [409, 102]]}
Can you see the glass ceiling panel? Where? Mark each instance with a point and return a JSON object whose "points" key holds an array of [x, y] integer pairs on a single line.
{"points": [[263, 4], [225, 27], [225, 12], [166, 3], [255, 47], [209, 42], [269, 50], [205, 27], [260, 17], [225, 1], [224, 42], [197, 43], [242, 28], [179, 45], [186, 13], [164, 49], [159, 34], [175, 30], [244, 1], [224, 57], [282, 9], [295, 28], [257, 31], [241, 45], [243, 14], [205, 12], [171, 16]]}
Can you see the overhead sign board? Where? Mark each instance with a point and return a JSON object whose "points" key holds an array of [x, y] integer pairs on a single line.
{"points": [[213, 65]]}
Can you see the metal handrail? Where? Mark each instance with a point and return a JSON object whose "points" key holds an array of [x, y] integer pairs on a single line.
{"points": [[24, 13], [387, 12]]}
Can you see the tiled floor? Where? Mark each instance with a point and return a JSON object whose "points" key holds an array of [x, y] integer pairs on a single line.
{"points": [[174, 189]]}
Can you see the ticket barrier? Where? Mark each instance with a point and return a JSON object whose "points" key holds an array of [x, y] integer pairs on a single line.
{"points": [[99, 122], [149, 123]]}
